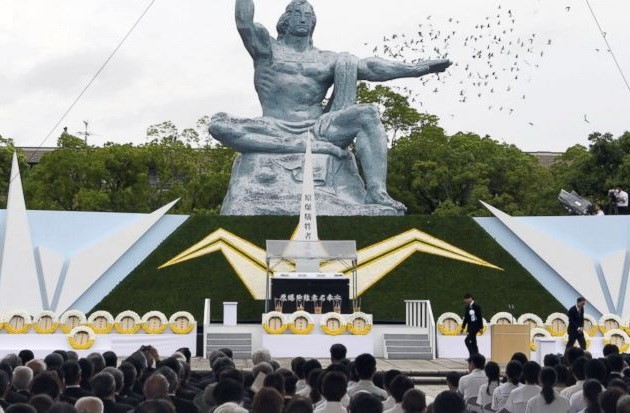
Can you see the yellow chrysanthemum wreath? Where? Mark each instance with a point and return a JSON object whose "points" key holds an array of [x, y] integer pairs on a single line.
{"points": [[127, 322], [102, 322], [354, 324], [81, 338], [154, 322], [301, 330], [182, 322], [332, 324], [274, 322], [17, 322], [45, 322]]}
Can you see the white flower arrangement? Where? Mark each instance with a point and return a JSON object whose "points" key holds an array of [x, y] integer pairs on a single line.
{"points": [[626, 326], [557, 324], [297, 327], [154, 322], [332, 324], [449, 324], [359, 324], [272, 327], [102, 322], [127, 322], [534, 333], [610, 322], [17, 322], [531, 319], [71, 319], [45, 322], [2, 318], [181, 327], [592, 331], [619, 338], [81, 338], [502, 318]]}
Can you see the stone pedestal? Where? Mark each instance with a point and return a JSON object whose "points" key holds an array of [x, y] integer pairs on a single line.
{"points": [[271, 184]]}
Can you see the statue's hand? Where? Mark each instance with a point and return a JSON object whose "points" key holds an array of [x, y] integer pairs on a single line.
{"points": [[329, 148], [439, 66]]}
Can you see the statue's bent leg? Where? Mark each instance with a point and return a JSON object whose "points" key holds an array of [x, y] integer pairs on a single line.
{"points": [[363, 121]]}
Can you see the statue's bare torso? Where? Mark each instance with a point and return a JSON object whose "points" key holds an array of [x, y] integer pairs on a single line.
{"points": [[292, 85]]}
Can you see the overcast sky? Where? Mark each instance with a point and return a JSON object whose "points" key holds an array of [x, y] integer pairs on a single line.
{"points": [[185, 60]]}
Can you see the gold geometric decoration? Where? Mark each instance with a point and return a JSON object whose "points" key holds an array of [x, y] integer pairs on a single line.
{"points": [[373, 262]]}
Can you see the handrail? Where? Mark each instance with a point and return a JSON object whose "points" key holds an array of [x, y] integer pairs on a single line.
{"points": [[419, 313]]}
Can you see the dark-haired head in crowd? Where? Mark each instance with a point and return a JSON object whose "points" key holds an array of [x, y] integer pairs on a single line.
{"points": [[449, 402], [365, 366], [364, 402], [338, 353]]}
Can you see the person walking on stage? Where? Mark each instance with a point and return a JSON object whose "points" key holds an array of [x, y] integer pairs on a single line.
{"points": [[474, 322], [576, 324]]}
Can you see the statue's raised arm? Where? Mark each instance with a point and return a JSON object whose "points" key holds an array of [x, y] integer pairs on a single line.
{"points": [[255, 37], [375, 69]]}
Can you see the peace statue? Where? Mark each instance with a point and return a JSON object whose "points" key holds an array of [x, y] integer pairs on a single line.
{"points": [[292, 79]]}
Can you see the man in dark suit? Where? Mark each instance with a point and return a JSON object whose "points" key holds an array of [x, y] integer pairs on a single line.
{"points": [[473, 321], [104, 387], [576, 324], [72, 377]]}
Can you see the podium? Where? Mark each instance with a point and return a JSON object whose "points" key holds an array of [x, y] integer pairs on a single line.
{"points": [[508, 339]]}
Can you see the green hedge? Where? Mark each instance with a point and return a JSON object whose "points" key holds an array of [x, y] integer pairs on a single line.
{"points": [[422, 276]]}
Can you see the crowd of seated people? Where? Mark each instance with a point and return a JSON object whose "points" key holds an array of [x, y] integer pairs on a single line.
{"points": [[570, 383], [147, 383]]}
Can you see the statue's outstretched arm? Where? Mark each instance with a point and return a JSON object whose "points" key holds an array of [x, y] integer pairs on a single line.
{"points": [[255, 37], [375, 69]]}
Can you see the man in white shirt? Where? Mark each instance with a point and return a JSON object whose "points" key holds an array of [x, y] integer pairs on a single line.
{"points": [[399, 387], [334, 386], [593, 369], [365, 366], [470, 383], [513, 372], [577, 368], [297, 365], [389, 376], [622, 201], [518, 398]]}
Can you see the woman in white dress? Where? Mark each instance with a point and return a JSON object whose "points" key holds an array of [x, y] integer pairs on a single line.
{"points": [[493, 373], [549, 400]]}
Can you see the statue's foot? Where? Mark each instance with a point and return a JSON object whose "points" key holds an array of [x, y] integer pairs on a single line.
{"points": [[381, 197]]}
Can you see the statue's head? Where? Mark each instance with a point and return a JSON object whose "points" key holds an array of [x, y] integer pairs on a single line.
{"points": [[299, 20]]}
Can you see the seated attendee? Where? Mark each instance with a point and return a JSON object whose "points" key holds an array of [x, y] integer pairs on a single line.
{"points": [[493, 374], [518, 398], [623, 404], [399, 387], [414, 401], [26, 356], [299, 405], [520, 357], [470, 383], [261, 355], [364, 402], [89, 404], [62, 407], [290, 380], [119, 379], [72, 377], [228, 390], [563, 374], [181, 405], [452, 380], [41, 402], [97, 361], [187, 389], [387, 380], [593, 369], [4, 388], [549, 400], [610, 349], [608, 400], [616, 364], [591, 391], [338, 353], [87, 372], [275, 381], [314, 383], [20, 408], [449, 402], [46, 383], [21, 382], [104, 387], [577, 369], [309, 366], [230, 407], [268, 400], [53, 361], [573, 353], [378, 379], [73, 355], [513, 372], [36, 365], [365, 366], [111, 360], [297, 366], [129, 380], [155, 406], [334, 388], [551, 360]]}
